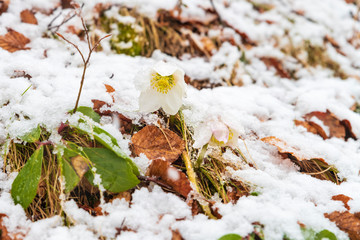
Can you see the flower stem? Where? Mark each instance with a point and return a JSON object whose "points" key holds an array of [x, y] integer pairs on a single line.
{"points": [[190, 170]]}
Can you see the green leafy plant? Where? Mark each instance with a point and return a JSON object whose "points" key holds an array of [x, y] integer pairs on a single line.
{"points": [[41, 162]]}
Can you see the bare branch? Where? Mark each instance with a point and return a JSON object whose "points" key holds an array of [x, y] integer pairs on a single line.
{"points": [[75, 46]]}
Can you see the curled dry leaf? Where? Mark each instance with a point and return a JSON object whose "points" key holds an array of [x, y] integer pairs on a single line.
{"points": [[337, 128], [13, 41], [170, 176], [158, 143], [4, 4], [346, 221], [28, 16]]}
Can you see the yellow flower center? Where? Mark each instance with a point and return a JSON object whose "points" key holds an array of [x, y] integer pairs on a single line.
{"points": [[162, 84], [222, 143]]}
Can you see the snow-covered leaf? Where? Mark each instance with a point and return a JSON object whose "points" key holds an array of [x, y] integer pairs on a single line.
{"points": [[32, 136], [88, 111], [13, 41], [116, 173]]}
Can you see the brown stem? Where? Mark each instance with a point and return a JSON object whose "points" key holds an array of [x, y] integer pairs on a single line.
{"points": [[86, 62]]}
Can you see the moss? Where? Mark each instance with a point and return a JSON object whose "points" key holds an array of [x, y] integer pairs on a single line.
{"points": [[123, 34]]}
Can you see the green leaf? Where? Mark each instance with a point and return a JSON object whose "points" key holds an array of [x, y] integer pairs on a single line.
{"points": [[116, 173], [32, 136], [107, 140], [88, 111], [231, 236], [325, 234], [25, 185], [310, 234], [68, 172]]}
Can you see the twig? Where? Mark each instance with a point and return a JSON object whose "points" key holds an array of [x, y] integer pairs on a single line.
{"points": [[67, 18], [85, 61], [216, 12], [154, 180]]}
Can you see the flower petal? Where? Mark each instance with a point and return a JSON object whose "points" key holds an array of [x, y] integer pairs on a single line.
{"points": [[149, 101], [173, 100], [220, 131], [142, 79], [179, 79], [202, 135], [165, 69]]}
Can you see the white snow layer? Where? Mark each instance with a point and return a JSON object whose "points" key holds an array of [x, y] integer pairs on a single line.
{"points": [[265, 106]]}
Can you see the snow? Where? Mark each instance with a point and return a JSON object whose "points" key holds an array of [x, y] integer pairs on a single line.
{"points": [[266, 105]]}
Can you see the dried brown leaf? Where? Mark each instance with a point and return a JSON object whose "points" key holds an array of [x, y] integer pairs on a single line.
{"points": [[66, 4], [284, 148], [330, 120], [123, 195], [337, 128], [3, 230], [109, 88], [158, 143], [277, 64], [4, 4], [316, 167], [347, 222], [312, 127], [13, 41], [343, 198], [80, 165], [4, 234], [28, 16], [176, 235], [20, 73], [170, 176]]}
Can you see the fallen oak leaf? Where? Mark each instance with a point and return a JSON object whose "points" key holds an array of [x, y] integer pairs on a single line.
{"points": [[158, 143], [170, 176], [28, 16], [13, 41]]}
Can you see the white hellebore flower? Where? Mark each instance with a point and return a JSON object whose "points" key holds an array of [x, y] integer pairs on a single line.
{"points": [[163, 86], [215, 132]]}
